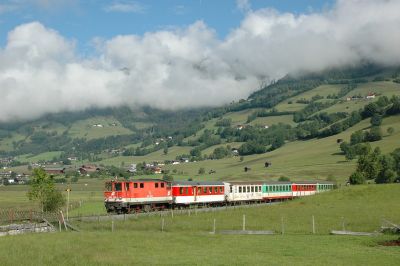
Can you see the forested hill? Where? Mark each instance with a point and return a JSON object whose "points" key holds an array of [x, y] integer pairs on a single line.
{"points": [[301, 107]]}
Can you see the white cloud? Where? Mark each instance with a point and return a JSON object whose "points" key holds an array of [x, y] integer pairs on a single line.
{"points": [[125, 7], [243, 5], [40, 71]]}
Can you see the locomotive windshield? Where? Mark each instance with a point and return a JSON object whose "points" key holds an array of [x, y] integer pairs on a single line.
{"points": [[108, 186]]}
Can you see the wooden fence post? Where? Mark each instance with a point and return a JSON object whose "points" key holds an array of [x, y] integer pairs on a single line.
{"points": [[313, 225]]}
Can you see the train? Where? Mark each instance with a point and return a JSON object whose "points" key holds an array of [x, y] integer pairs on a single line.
{"points": [[145, 195]]}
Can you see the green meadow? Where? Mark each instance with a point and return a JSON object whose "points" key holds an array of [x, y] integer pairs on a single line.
{"points": [[186, 239]]}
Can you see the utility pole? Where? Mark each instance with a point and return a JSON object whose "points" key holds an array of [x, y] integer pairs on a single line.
{"points": [[68, 190]]}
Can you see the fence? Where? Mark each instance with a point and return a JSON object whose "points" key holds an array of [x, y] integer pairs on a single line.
{"points": [[12, 216]]}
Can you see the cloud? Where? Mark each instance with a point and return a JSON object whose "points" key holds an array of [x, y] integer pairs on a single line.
{"points": [[41, 71], [48, 5], [125, 7], [243, 5]]}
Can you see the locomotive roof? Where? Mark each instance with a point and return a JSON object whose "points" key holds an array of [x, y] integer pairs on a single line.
{"points": [[197, 183], [141, 180]]}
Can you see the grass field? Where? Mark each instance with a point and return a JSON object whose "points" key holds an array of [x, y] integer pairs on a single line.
{"points": [[323, 90], [273, 120], [86, 129], [46, 156], [186, 239]]}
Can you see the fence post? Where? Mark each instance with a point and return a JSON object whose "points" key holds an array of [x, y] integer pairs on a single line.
{"points": [[313, 225], [162, 225], [214, 226], [112, 224], [283, 226], [344, 229], [244, 222]]}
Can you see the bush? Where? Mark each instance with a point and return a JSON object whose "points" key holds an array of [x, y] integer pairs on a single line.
{"points": [[284, 179], [357, 178]]}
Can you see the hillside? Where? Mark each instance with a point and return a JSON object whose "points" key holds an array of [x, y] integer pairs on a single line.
{"points": [[293, 123]]}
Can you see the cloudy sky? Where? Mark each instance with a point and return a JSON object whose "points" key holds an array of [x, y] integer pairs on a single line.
{"points": [[58, 55]]}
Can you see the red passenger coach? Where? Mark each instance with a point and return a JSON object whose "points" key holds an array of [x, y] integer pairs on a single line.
{"points": [[198, 193], [304, 188], [137, 195]]}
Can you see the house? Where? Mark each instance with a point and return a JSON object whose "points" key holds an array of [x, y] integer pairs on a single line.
{"points": [[184, 160], [240, 127], [156, 170], [266, 126], [175, 162], [55, 170], [132, 168], [370, 95], [88, 169], [235, 152]]}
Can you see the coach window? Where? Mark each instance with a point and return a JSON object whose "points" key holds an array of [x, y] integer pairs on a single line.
{"points": [[252, 188], [210, 190], [240, 189], [187, 191], [221, 189], [205, 190], [134, 185], [199, 190], [141, 185], [118, 187], [230, 189], [215, 189], [181, 190], [156, 185], [256, 189], [127, 186]]}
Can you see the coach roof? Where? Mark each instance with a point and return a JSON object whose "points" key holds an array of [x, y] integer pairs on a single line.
{"points": [[197, 183]]}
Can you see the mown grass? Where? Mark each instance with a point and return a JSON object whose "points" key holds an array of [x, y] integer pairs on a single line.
{"points": [[323, 90], [85, 128], [186, 239]]}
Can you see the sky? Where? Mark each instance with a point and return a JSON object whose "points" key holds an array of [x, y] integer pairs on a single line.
{"points": [[67, 55]]}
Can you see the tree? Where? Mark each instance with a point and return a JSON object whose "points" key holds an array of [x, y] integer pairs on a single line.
{"points": [[376, 120], [165, 151], [201, 171], [357, 178], [374, 134], [357, 137], [43, 190]]}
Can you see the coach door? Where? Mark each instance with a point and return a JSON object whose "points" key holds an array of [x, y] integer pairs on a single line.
{"points": [[195, 194]]}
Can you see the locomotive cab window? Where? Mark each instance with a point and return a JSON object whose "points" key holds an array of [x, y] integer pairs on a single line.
{"points": [[108, 186], [162, 184], [156, 185], [127, 186], [141, 185], [134, 185], [118, 186]]}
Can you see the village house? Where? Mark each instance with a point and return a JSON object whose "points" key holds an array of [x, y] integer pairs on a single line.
{"points": [[54, 170], [370, 96], [87, 169]]}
